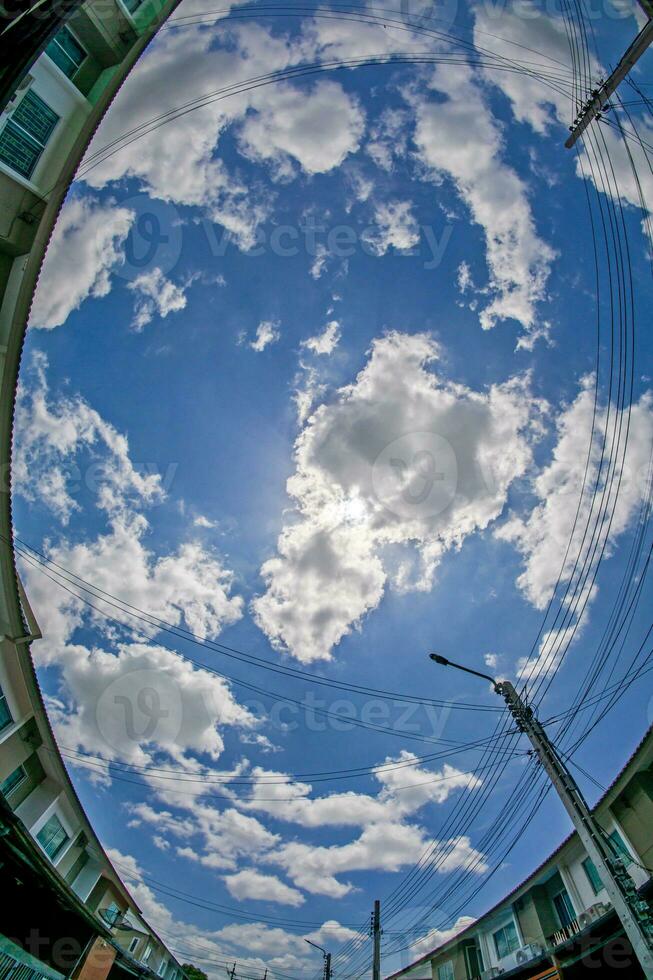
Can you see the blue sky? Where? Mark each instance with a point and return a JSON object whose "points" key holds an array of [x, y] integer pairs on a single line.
{"points": [[311, 374]]}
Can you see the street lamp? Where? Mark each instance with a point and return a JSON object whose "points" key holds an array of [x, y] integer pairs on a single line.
{"points": [[468, 670], [634, 914], [327, 958]]}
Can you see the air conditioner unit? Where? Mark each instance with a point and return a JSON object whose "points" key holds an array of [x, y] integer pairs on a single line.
{"points": [[527, 953], [592, 913]]}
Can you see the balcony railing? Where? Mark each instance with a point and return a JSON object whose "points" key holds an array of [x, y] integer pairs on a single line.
{"points": [[564, 934], [11, 969]]}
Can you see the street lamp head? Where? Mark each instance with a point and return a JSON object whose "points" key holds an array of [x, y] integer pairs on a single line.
{"points": [[439, 660]]}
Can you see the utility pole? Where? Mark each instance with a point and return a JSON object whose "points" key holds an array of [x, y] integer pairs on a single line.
{"points": [[326, 956], [633, 912], [601, 95], [376, 938], [232, 972]]}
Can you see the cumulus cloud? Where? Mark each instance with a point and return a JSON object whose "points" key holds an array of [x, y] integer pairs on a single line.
{"points": [[267, 888], [155, 295], [550, 537], [126, 697], [267, 333], [317, 127], [435, 938], [325, 342], [396, 470], [255, 945], [141, 700], [519, 261], [290, 128], [51, 431], [386, 847], [395, 226], [87, 244]]}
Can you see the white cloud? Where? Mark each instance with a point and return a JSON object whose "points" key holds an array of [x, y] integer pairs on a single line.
{"points": [[464, 278], [395, 227], [267, 333], [518, 260], [387, 847], [214, 838], [551, 537], [325, 342], [290, 127], [435, 938], [155, 294], [87, 244], [142, 700], [255, 945], [267, 888], [51, 432], [373, 503], [317, 127], [389, 138], [403, 791], [542, 537], [204, 522]]}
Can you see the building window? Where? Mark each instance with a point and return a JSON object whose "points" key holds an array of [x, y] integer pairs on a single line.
{"points": [[66, 51], [25, 134], [13, 780], [445, 972], [506, 940], [592, 875], [620, 847], [473, 960], [5, 714], [162, 968], [132, 5], [52, 837], [133, 944], [111, 914], [564, 908], [147, 954]]}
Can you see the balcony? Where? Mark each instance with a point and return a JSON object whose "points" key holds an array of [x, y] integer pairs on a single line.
{"points": [[577, 925]]}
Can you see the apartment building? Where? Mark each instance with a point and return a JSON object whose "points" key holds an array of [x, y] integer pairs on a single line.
{"points": [[559, 922], [66, 911], [40, 809]]}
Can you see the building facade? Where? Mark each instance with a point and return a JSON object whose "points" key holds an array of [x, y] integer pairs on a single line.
{"points": [[66, 912], [559, 922]]}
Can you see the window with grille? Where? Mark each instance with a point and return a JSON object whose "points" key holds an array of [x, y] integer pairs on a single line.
{"points": [[25, 134], [66, 51], [52, 836]]}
